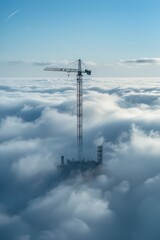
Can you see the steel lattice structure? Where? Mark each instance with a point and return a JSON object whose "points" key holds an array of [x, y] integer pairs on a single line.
{"points": [[79, 112], [79, 103]]}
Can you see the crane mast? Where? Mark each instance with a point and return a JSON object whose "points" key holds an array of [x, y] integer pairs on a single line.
{"points": [[79, 112], [79, 103]]}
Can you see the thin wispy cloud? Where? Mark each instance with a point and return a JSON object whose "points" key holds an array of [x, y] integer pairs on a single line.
{"points": [[141, 61], [47, 63], [13, 14]]}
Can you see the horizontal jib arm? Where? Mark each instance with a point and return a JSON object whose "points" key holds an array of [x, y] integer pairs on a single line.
{"points": [[66, 70]]}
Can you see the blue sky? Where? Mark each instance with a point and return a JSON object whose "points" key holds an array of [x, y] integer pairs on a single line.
{"points": [[116, 37]]}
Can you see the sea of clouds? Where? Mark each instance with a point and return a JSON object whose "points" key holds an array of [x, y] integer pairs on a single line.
{"points": [[38, 125]]}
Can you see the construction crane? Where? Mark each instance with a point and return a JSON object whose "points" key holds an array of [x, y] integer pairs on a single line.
{"points": [[79, 72]]}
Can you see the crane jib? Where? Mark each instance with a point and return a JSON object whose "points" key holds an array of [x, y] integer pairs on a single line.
{"points": [[88, 72], [60, 69]]}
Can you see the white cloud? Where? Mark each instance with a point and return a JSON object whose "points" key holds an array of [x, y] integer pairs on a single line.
{"points": [[38, 125], [91, 63]]}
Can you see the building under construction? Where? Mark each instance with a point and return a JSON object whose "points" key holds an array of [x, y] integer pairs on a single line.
{"points": [[69, 166], [80, 164]]}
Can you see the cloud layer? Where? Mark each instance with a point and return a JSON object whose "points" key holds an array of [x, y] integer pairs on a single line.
{"points": [[38, 124]]}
